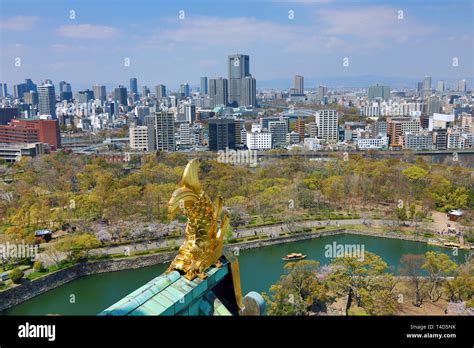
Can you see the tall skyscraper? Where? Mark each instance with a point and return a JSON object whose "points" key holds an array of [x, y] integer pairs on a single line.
{"points": [[190, 113], [218, 91], [120, 95], [322, 92], [22, 88], [185, 90], [99, 92], [160, 91], [440, 86], [64, 87], [221, 134], [249, 92], [427, 83], [462, 86], [203, 88], [3, 90], [134, 85], [164, 127], [84, 96], [30, 86], [379, 92], [145, 91], [298, 84], [419, 87], [238, 67], [47, 100], [300, 129], [326, 121]]}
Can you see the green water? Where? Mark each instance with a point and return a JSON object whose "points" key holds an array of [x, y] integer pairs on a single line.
{"points": [[259, 269]]}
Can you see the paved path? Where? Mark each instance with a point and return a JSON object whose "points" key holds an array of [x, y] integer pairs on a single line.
{"points": [[273, 230]]}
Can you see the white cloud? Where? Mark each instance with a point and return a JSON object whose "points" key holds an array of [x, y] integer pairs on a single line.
{"points": [[371, 23], [87, 31], [19, 23], [233, 34], [343, 30]]}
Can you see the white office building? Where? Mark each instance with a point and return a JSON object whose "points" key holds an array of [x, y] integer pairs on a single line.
{"points": [[372, 143], [259, 140], [139, 138], [326, 121]]}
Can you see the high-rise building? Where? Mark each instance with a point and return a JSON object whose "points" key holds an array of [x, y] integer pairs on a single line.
{"points": [[278, 130], [164, 128], [190, 113], [22, 88], [99, 92], [185, 90], [218, 91], [462, 86], [30, 86], [203, 88], [248, 95], [31, 98], [184, 134], [419, 87], [64, 87], [145, 91], [3, 90], [19, 90], [221, 134], [160, 91], [440, 86], [300, 128], [322, 92], [120, 95], [298, 84], [427, 83], [238, 68], [84, 96], [134, 85], [326, 121], [139, 138], [239, 125], [47, 100], [379, 92]]}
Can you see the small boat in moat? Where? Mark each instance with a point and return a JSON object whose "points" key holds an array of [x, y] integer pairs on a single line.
{"points": [[294, 257]]}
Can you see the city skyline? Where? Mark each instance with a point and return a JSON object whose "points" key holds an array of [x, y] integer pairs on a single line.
{"points": [[166, 46]]}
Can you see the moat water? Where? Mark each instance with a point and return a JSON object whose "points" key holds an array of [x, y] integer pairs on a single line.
{"points": [[259, 269]]}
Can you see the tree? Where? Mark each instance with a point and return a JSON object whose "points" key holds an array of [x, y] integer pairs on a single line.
{"points": [[364, 281], [417, 178], [333, 189], [86, 242], [439, 265], [299, 291], [38, 266], [16, 275], [412, 268], [461, 288]]}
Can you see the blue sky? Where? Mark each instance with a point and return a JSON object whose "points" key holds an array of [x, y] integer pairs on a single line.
{"points": [[162, 48]]}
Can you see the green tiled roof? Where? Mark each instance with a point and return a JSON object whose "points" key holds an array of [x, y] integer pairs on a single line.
{"points": [[172, 294]]}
